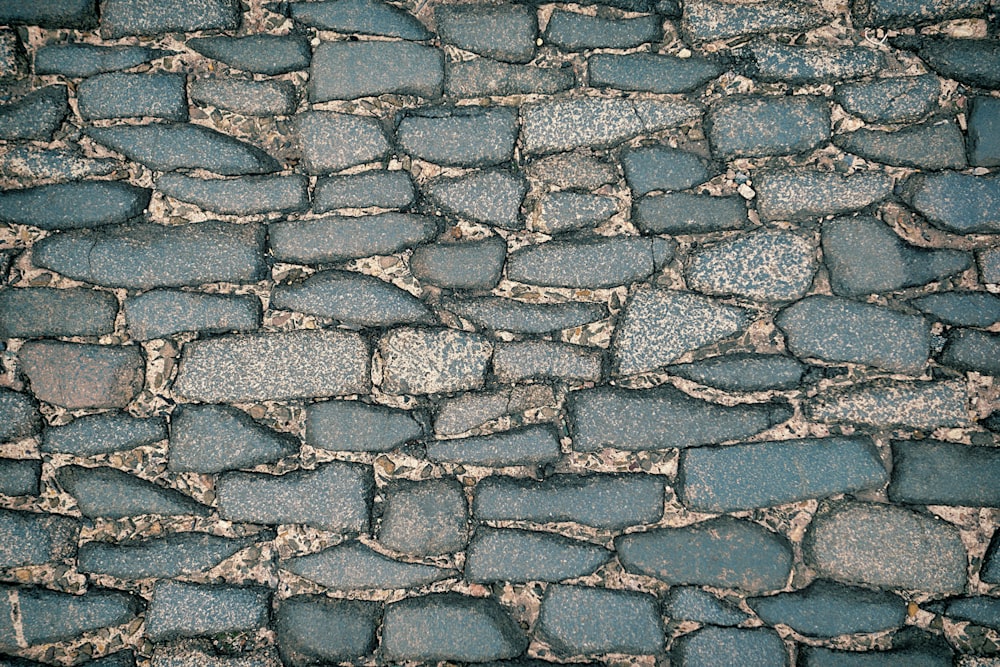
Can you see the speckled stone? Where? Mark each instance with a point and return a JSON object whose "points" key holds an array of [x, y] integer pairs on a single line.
{"points": [[546, 360], [124, 658], [984, 130], [376, 188], [532, 445], [249, 195], [961, 308], [522, 555], [882, 404], [567, 211], [263, 54], [199, 653], [483, 77], [51, 616], [472, 409], [180, 609], [767, 60], [827, 609], [717, 647], [81, 14], [954, 202], [990, 570], [498, 313], [274, 366], [982, 610], [577, 170], [908, 650], [687, 213], [805, 195], [359, 427], [989, 265], [348, 70], [250, 98], [930, 472], [114, 494], [757, 126], [129, 95], [32, 538], [472, 265], [213, 438], [355, 566], [77, 375], [20, 477], [103, 433], [590, 262], [432, 361], [890, 100], [160, 313], [612, 502], [73, 205], [175, 555], [313, 628], [578, 620], [351, 298], [743, 371], [85, 60], [972, 350], [929, 146], [659, 325], [36, 116], [723, 552], [369, 17], [459, 136], [33, 312], [904, 13], [689, 603], [425, 518], [659, 167], [888, 547], [500, 32], [490, 197], [974, 62], [121, 18], [331, 141], [707, 20], [29, 162], [650, 72], [13, 59], [338, 238], [334, 496], [571, 31]]}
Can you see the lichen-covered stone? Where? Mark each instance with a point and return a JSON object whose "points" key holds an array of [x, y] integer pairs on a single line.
{"points": [[376, 188], [743, 371], [73, 205], [85, 60], [355, 566], [213, 438], [881, 404], [332, 141], [930, 472], [359, 427], [498, 313], [250, 98], [33, 538], [103, 433], [348, 70], [688, 213], [501, 32], [690, 603], [651, 72], [955, 202], [33, 312], [890, 100], [928, 146], [51, 616], [36, 116], [900, 13], [483, 77], [369, 17], [579, 620], [174, 555], [427, 518], [58, 165], [659, 167], [571, 31], [129, 95], [804, 195], [567, 211], [19, 416], [160, 313], [313, 629], [827, 609], [767, 60], [472, 409], [263, 54], [249, 195], [590, 262], [20, 477], [707, 20], [180, 609], [531, 445], [576, 170], [974, 62], [472, 265], [984, 129], [496, 555], [757, 126], [490, 197], [78, 375], [114, 494], [338, 238], [756, 647], [432, 361], [961, 308]]}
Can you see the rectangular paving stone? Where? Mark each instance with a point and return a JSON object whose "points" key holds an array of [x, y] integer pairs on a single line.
{"points": [[961, 308], [376, 188], [531, 445], [568, 211], [249, 98], [425, 518], [900, 13], [757, 126], [894, 403], [80, 14], [33, 312], [491, 197], [767, 60], [19, 416], [348, 70], [355, 566], [471, 409], [501, 32], [214, 438], [930, 472], [195, 653], [337, 238], [20, 477], [368, 17], [707, 20], [483, 77], [313, 629], [688, 213], [891, 99], [743, 371], [263, 54], [78, 375], [984, 128], [174, 555], [502, 314], [432, 361], [972, 350], [928, 146], [578, 620], [121, 18], [103, 433], [460, 136], [274, 366], [660, 167], [78, 59], [73, 205], [57, 164], [797, 194], [760, 647], [471, 265], [520, 555], [691, 603], [131, 95], [249, 195], [571, 31], [546, 360], [180, 609], [332, 141], [36, 116], [355, 426], [34, 538], [160, 313], [590, 262], [955, 202], [650, 72], [50, 616]]}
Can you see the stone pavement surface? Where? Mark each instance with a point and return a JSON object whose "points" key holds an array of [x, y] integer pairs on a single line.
{"points": [[627, 332]]}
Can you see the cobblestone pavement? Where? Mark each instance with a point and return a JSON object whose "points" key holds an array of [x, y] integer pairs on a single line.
{"points": [[654, 332]]}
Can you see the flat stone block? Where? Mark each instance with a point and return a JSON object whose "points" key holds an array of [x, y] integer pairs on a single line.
{"points": [[483, 77], [20, 477], [759, 647], [354, 426], [804, 195], [433, 361], [498, 313], [103, 433], [974, 62], [50, 616], [250, 98], [929, 146], [472, 409], [355, 566], [160, 313], [460, 136], [32, 538], [86, 60], [651, 72], [33, 312], [131, 95], [757, 126], [336, 238], [707, 20], [546, 360], [36, 116], [19, 416], [179, 609], [471, 265], [175, 555], [961, 308], [743, 371], [81, 14], [688, 213], [881, 404], [568, 211], [263, 54], [489, 197], [496, 555], [930, 472], [531, 445], [369, 17], [590, 262], [890, 100], [954, 202], [501, 32], [103, 491], [425, 518], [314, 628], [767, 60], [73, 205], [690, 603], [578, 32], [579, 620], [984, 128], [376, 188], [348, 70], [972, 350], [77, 375], [214, 438], [827, 609], [332, 141], [250, 195]]}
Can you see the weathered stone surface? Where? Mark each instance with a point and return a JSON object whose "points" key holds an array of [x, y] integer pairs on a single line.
{"points": [[723, 552], [274, 366], [954, 202], [315, 629], [19, 416], [20, 477], [659, 167], [838, 329], [520, 555], [531, 445], [566, 211], [250, 98], [337, 238], [890, 100], [501, 32], [767, 60], [425, 518], [76, 375], [990, 570], [930, 472], [33, 312], [332, 141], [449, 626], [263, 54], [577, 170], [763, 474], [213, 438], [103, 433], [352, 298], [546, 360], [171, 146], [114, 494], [497, 313], [896, 13], [687, 213], [160, 313], [121, 18], [32, 163], [571, 31], [73, 205], [376, 188], [577, 620], [432, 361], [863, 255], [80, 14], [36, 116], [165, 557], [706, 20], [826, 609], [369, 17], [483, 77], [334, 496], [459, 136], [651, 72], [13, 59], [249, 195], [919, 405], [86, 60], [964, 309], [490, 197], [759, 647], [146, 255], [50, 616], [689, 603], [743, 371], [124, 658], [756, 126], [179, 609], [199, 653], [603, 501], [972, 350], [659, 325], [886, 546], [126, 94], [590, 262], [984, 129], [974, 62], [472, 409], [354, 426], [30, 538], [355, 566], [473, 265], [804, 195], [928, 146], [979, 610], [989, 265], [348, 70]]}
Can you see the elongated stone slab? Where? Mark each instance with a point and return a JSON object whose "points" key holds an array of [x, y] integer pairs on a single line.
{"points": [[274, 366], [348, 70], [650, 72], [532, 445], [567, 211], [520, 555], [53, 164], [961, 308], [460, 136], [335, 238], [195, 653], [213, 438], [472, 265], [767, 60], [803, 195], [546, 360], [590, 262], [974, 62], [375, 188], [81, 14], [501, 32], [498, 313], [571, 31], [483, 77], [103, 433], [51, 616], [32, 312], [359, 427], [121, 18], [250, 195], [312, 628], [744, 646], [984, 128], [180, 609], [578, 620], [114, 494], [659, 167], [32, 538], [690, 603], [706, 20], [576, 170], [263, 54], [332, 141], [688, 213], [919, 405], [368, 17], [928, 146], [78, 375], [930, 472], [472, 409], [913, 12], [432, 361], [489, 197], [351, 298], [954, 202], [85, 60], [891, 99], [73, 205], [36, 116], [743, 371], [355, 566], [756, 126], [131, 95], [165, 557], [19, 416], [250, 98], [160, 313], [972, 350]]}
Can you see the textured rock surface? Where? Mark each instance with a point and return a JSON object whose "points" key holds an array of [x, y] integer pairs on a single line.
{"points": [[893, 99], [567, 211], [928, 146], [352, 298], [357, 426], [826, 609], [36, 116], [77, 375], [650, 72], [687, 213], [459, 136], [431, 361], [34, 312], [52, 616], [355, 566], [251, 195], [919, 405], [108, 492], [264, 54], [802, 195], [31, 538], [376, 188], [314, 628], [20, 416], [471, 265], [590, 262], [955, 202], [753, 126], [120, 18], [521, 317], [743, 371], [333, 239], [578, 32], [489, 197], [766, 60], [127, 95], [532, 445], [102, 433], [425, 518], [333, 141], [730, 646], [73, 205], [520, 555], [160, 313], [931, 472], [181, 609], [504, 33], [213, 438], [171, 556], [546, 360], [460, 414], [579, 620], [348, 70]]}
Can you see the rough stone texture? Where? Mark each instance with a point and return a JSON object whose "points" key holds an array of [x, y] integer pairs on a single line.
{"points": [[756, 126], [707, 20], [886, 546], [531, 445], [723, 552], [13, 59], [603, 501], [36, 116], [250, 195], [160, 313], [76, 375], [521, 555], [460, 136], [56, 164], [33, 312], [484, 77], [890, 100], [315, 629], [980, 610], [974, 62], [73, 205], [424, 518], [334, 496], [929, 146], [767, 60], [743, 371], [590, 262], [432, 361], [111, 493], [659, 325], [918, 405], [650, 72], [50, 616], [86, 60], [125, 95], [31, 538], [730, 647], [898, 13], [972, 350], [469, 410], [165, 557], [359, 427], [567, 211], [989, 265], [472, 265], [659, 167], [250, 98], [500, 32], [571, 31], [356, 566], [806, 195], [577, 170], [121, 18], [20, 477], [489, 197], [688, 603], [954, 202], [984, 128], [335, 238], [332, 141], [198, 653], [263, 54], [965, 309], [826, 609], [546, 360], [352, 298], [80, 14], [213, 438], [179, 609], [348, 70], [687, 213], [498, 313], [369, 17], [274, 366], [376, 188], [579, 620], [103, 433]]}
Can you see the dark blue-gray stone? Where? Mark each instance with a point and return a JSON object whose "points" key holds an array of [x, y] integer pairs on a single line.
{"points": [[864, 255], [767, 60], [19, 416], [459, 136], [837, 329], [521, 555], [651, 72], [213, 438], [31, 538], [743, 371], [123, 658], [687, 213], [491, 197], [827, 609], [758, 126], [79, 14], [263, 54], [931, 652], [806, 195], [368, 17], [425, 518], [171, 146], [103, 433], [689, 603], [376, 188], [313, 628], [20, 477], [433, 361], [906, 13], [114, 494], [964, 309], [180, 609], [567, 211], [979, 610], [469, 410], [517, 361], [127, 94], [352, 298], [590, 262], [73, 205], [972, 350], [146, 255], [930, 472], [164, 557], [713, 646], [723, 552], [348, 70], [84, 60], [359, 427], [30, 162], [707, 20], [974, 62], [50, 616], [121, 18], [14, 64], [954, 202], [659, 167], [890, 100], [450, 626], [200, 653], [82, 375], [929, 146], [160, 313], [881, 404], [500, 32], [472, 265], [250, 98], [336, 238], [992, 421], [483, 77], [984, 132], [334, 496], [355, 566], [578, 620], [571, 31], [531, 445], [497, 313], [36, 116], [612, 502], [34, 312]]}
